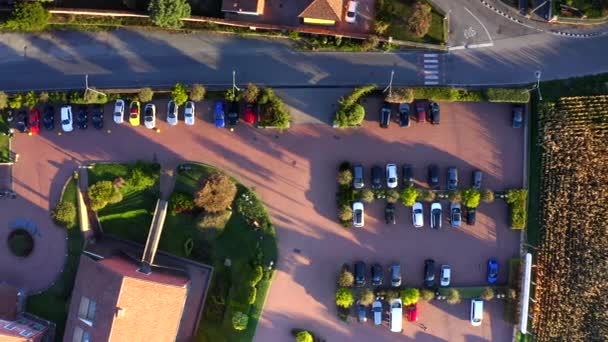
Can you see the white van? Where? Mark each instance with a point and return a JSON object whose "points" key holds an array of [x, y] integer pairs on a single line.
{"points": [[476, 312], [396, 315], [67, 121]]}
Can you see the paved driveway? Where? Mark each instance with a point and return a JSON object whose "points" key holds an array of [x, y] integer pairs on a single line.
{"points": [[294, 172]]}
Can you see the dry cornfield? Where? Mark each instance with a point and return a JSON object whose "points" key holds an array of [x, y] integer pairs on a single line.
{"points": [[572, 262]]}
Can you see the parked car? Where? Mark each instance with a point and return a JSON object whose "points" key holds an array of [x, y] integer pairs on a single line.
{"points": [[233, 114], [476, 181], [377, 311], [433, 177], [351, 12], [429, 273], [391, 176], [492, 271], [412, 313], [359, 273], [249, 115], [455, 215], [67, 119], [358, 214], [189, 113], [471, 213], [446, 275], [408, 175], [434, 113], [436, 215], [476, 312], [361, 313], [452, 178], [172, 111], [82, 119], [376, 177], [417, 215], [33, 121], [134, 110], [421, 109], [48, 120], [150, 116], [219, 114], [377, 275], [404, 115], [389, 213], [517, 116], [22, 124], [385, 115], [358, 178], [395, 271], [119, 111], [97, 117], [396, 321]]}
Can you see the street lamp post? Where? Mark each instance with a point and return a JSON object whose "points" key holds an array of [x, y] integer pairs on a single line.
{"points": [[537, 74], [234, 81], [389, 87], [86, 86]]}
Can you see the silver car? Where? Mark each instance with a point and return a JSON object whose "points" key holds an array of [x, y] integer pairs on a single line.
{"points": [[119, 111], [455, 215], [150, 116], [189, 113], [172, 108]]}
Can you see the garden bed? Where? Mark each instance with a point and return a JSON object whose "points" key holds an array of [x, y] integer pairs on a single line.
{"points": [[4, 141], [396, 13]]}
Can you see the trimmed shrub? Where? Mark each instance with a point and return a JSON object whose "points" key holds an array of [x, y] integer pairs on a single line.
{"points": [[232, 95], [517, 200], [409, 196], [487, 294], [239, 320], [366, 297], [514, 95], [216, 194], [28, 16], [344, 297], [3, 100], [251, 93], [419, 22], [350, 113], [453, 296], [64, 214], [471, 198], [15, 101], [345, 177], [179, 94], [197, 92], [487, 195], [370, 43], [180, 202], [43, 97], [168, 13], [392, 196], [454, 196], [103, 193], [30, 99], [448, 94], [427, 295], [304, 336], [257, 275], [400, 95], [427, 195], [410, 296], [252, 294], [346, 277], [367, 196], [145, 94], [345, 213], [275, 114]]}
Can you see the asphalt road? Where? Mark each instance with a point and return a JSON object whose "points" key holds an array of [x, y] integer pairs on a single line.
{"points": [[128, 58]]}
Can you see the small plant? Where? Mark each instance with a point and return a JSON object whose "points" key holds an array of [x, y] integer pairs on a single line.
{"points": [[409, 196], [344, 297], [366, 297], [257, 275], [345, 177], [471, 198], [346, 277], [427, 195], [251, 93], [180, 202], [453, 296], [43, 97], [410, 296], [487, 294], [239, 320], [179, 94], [28, 16], [145, 94], [168, 13], [3, 100], [367, 196], [304, 336], [232, 95], [64, 214], [16, 101], [392, 196], [454, 196], [345, 213], [427, 295], [30, 100], [487, 196], [197, 92]]}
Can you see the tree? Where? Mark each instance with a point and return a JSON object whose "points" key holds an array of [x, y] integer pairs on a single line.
{"points": [[3, 100], [410, 296], [216, 194], [145, 94], [487, 196], [344, 297], [345, 213], [304, 336], [103, 193], [43, 97], [366, 297], [64, 214], [16, 101], [454, 196], [139, 179], [251, 93], [367, 196], [28, 16], [168, 13], [427, 295], [345, 177], [346, 278], [419, 22], [30, 100], [400, 95], [197, 92], [179, 94], [453, 296], [470, 198], [427, 195], [392, 196], [409, 196], [487, 294], [239, 320]]}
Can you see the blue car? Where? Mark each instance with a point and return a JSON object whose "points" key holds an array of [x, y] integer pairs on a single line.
{"points": [[492, 271], [220, 122]]}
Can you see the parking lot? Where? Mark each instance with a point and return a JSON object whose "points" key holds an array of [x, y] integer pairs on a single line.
{"points": [[294, 172]]}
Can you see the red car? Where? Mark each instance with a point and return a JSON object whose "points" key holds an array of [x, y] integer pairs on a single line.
{"points": [[421, 109], [412, 313], [249, 116], [34, 121]]}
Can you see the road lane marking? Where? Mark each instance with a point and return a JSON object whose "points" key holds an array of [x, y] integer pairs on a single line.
{"points": [[480, 23]]}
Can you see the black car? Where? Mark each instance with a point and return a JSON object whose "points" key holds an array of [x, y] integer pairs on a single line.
{"points": [[476, 179], [404, 115], [434, 113], [429, 273], [48, 119], [408, 175], [97, 117], [471, 215], [385, 115], [359, 273], [377, 275], [233, 114], [517, 116], [433, 177], [82, 118], [362, 313], [389, 213], [22, 121], [376, 177]]}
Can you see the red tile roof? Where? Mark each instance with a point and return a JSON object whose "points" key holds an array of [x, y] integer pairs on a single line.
{"points": [[324, 9]]}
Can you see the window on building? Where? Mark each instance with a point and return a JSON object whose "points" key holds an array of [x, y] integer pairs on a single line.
{"points": [[81, 336], [86, 311]]}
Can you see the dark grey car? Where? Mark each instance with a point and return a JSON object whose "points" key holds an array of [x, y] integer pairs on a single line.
{"points": [[408, 175], [377, 177], [476, 181], [377, 275], [452, 178], [429, 273], [359, 273], [433, 178], [395, 271], [358, 179]]}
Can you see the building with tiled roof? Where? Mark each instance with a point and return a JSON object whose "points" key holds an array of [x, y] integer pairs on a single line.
{"points": [[17, 326], [323, 12]]}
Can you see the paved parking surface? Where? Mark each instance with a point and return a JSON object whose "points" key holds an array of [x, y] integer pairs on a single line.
{"points": [[294, 172]]}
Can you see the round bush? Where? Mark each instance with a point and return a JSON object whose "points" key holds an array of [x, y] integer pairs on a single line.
{"points": [[304, 336], [346, 278], [216, 194], [20, 242], [64, 214], [239, 320], [344, 297]]}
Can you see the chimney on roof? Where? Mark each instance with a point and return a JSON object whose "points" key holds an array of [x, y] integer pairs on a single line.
{"points": [[120, 312]]}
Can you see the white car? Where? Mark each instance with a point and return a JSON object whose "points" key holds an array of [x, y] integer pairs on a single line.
{"points": [[476, 312], [446, 273], [119, 111], [189, 113], [172, 110], [358, 214], [436, 215], [351, 12], [67, 120], [150, 116], [396, 315], [417, 215], [391, 176]]}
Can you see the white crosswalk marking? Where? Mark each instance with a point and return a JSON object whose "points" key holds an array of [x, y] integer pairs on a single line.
{"points": [[431, 71], [431, 61], [430, 55], [431, 68]]}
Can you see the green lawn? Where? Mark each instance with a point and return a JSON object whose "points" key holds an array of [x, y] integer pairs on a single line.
{"points": [[4, 141], [238, 242], [130, 218], [397, 12], [53, 303]]}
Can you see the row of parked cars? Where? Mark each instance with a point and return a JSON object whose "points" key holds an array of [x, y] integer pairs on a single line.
{"points": [[423, 111], [32, 121], [390, 177]]}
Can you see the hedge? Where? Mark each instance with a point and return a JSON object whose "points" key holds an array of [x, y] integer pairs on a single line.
{"points": [[447, 94], [517, 200], [350, 113]]}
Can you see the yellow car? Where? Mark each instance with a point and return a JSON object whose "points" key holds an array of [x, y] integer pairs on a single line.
{"points": [[134, 110]]}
